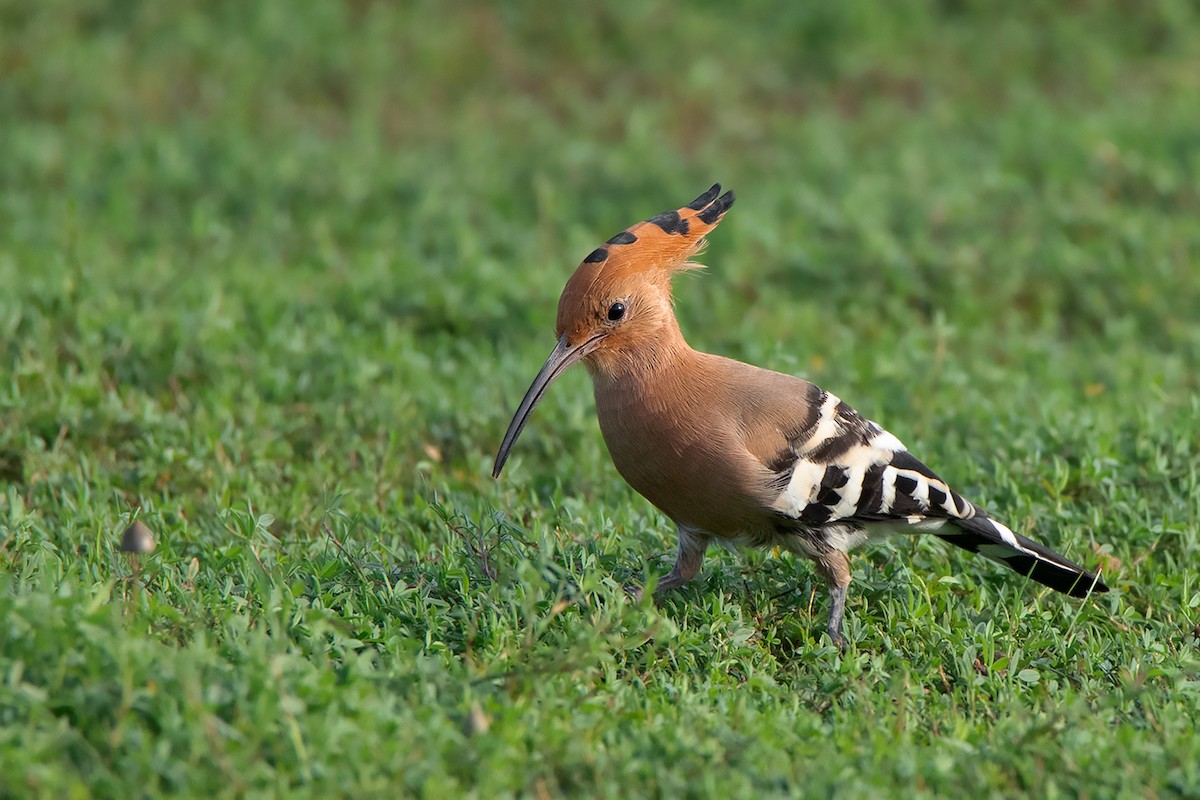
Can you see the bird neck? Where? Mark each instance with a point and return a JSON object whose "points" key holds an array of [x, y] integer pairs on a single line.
{"points": [[645, 360]]}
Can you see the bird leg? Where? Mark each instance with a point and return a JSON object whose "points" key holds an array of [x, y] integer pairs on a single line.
{"points": [[688, 558], [835, 566]]}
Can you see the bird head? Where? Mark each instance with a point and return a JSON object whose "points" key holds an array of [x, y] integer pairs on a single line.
{"points": [[619, 298]]}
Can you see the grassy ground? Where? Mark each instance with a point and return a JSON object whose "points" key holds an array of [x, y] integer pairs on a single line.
{"points": [[273, 277]]}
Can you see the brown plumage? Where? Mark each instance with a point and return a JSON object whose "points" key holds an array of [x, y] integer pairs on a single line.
{"points": [[740, 454]]}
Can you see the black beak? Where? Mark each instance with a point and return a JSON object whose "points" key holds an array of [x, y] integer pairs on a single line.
{"points": [[562, 356]]}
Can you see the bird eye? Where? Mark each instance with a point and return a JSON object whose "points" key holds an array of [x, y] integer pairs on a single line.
{"points": [[616, 311]]}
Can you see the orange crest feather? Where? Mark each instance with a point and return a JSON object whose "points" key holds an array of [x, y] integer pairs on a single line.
{"points": [[664, 242]]}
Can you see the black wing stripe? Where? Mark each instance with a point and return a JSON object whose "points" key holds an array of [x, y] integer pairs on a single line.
{"points": [[938, 498], [870, 499], [834, 479], [907, 461]]}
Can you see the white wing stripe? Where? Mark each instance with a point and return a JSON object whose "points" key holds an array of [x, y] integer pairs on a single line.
{"points": [[889, 491], [852, 491], [826, 427], [802, 488], [921, 492], [1010, 538], [886, 441]]}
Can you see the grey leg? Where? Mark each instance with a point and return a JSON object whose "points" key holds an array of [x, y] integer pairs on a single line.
{"points": [[837, 610], [689, 557], [835, 566]]}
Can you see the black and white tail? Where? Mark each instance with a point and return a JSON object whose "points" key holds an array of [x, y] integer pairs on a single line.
{"points": [[983, 535]]}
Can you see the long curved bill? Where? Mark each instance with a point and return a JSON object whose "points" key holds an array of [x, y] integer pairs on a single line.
{"points": [[562, 356]]}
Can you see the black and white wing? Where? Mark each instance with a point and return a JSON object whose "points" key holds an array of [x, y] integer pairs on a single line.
{"points": [[844, 480]]}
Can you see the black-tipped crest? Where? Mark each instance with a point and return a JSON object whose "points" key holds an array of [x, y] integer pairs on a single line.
{"points": [[706, 198], [665, 240], [718, 207], [670, 222]]}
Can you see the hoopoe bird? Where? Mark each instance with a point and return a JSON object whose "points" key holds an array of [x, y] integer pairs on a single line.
{"points": [[741, 455]]}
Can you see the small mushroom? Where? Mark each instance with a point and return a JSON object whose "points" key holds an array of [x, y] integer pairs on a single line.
{"points": [[137, 539], [477, 722]]}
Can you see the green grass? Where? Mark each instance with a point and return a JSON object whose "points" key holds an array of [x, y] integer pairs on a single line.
{"points": [[273, 277]]}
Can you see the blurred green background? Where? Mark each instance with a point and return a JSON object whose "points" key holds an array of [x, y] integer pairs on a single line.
{"points": [[274, 275]]}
